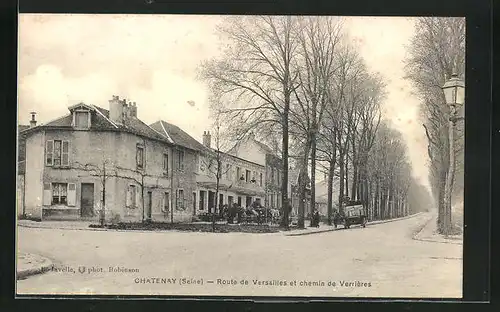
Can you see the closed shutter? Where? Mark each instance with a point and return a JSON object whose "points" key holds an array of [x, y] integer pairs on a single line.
{"points": [[138, 197], [71, 194], [49, 153], [47, 194], [129, 196], [65, 153]]}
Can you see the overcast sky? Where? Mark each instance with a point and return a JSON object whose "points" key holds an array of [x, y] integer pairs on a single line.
{"points": [[152, 60]]}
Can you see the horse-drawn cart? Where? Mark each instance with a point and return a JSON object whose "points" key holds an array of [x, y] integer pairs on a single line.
{"points": [[354, 213]]}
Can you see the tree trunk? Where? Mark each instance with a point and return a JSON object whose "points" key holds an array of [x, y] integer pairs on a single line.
{"points": [[302, 200], [341, 181], [216, 204], [331, 175], [376, 200], [313, 177], [302, 186], [347, 173], [284, 185], [441, 203], [331, 172], [354, 185], [448, 189]]}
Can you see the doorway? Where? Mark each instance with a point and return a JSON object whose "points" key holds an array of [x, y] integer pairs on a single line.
{"points": [[87, 200], [202, 200], [149, 205], [248, 201], [211, 201], [194, 203]]}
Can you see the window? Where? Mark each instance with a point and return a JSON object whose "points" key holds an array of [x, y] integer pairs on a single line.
{"points": [[82, 119], [278, 177], [247, 176], [139, 156], [165, 163], [238, 173], [57, 153], [228, 172], [181, 160], [131, 196], [59, 193], [260, 179], [180, 199], [166, 202]]}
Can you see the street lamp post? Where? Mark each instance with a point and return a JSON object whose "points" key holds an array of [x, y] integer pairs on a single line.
{"points": [[454, 92]]}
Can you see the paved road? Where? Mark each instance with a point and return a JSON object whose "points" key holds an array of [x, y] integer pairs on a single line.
{"points": [[377, 261]]}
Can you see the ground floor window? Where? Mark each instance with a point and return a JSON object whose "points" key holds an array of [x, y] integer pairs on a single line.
{"points": [[180, 200], [59, 193], [131, 196], [165, 202]]}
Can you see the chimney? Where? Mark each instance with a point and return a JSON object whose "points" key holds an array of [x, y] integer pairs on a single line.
{"points": [[207, 138], [33, 120], [132, 108], [116, 109]]}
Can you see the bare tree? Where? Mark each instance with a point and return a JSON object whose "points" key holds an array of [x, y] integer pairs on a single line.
{"points": [[437, 50], [215, 157], [316, 65], [255, 74]]}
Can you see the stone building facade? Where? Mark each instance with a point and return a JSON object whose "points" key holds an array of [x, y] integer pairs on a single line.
{"points": [[94, 158]]}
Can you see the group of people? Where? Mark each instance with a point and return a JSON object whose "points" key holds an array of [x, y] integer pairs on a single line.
{"points": [[256, 213]]}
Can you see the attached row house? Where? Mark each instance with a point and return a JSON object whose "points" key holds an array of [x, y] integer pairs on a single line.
{"points": [[93, 158]]}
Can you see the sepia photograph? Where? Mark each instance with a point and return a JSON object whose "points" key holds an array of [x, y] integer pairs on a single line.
{"points": [[240, 156]]}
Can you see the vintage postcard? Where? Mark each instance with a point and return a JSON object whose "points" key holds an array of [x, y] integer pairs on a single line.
{"points": [[205, 155]]}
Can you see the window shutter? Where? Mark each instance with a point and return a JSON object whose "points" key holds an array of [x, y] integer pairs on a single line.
{"points": [[162, 203], [138, 198], [49, 153], [65, 153], [129, 196], [47, 194], [71, 194]]}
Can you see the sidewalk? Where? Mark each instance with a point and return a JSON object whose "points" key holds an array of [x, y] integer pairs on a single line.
{"points": [[84, 226], [428, 233], [64, 225], [328, 228], [30, 264]]}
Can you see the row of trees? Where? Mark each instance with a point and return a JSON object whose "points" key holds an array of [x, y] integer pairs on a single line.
{"points": [[437, 50], [300, 83]]}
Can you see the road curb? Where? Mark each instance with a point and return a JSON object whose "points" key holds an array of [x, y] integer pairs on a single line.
{"points": [[36, 226], [46, 266], [369, 223], [418, 234]]}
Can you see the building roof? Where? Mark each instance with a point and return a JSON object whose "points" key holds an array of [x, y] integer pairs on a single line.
{"points": [[263, 146], [100, 122], [177, 135], [22, 127]]}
